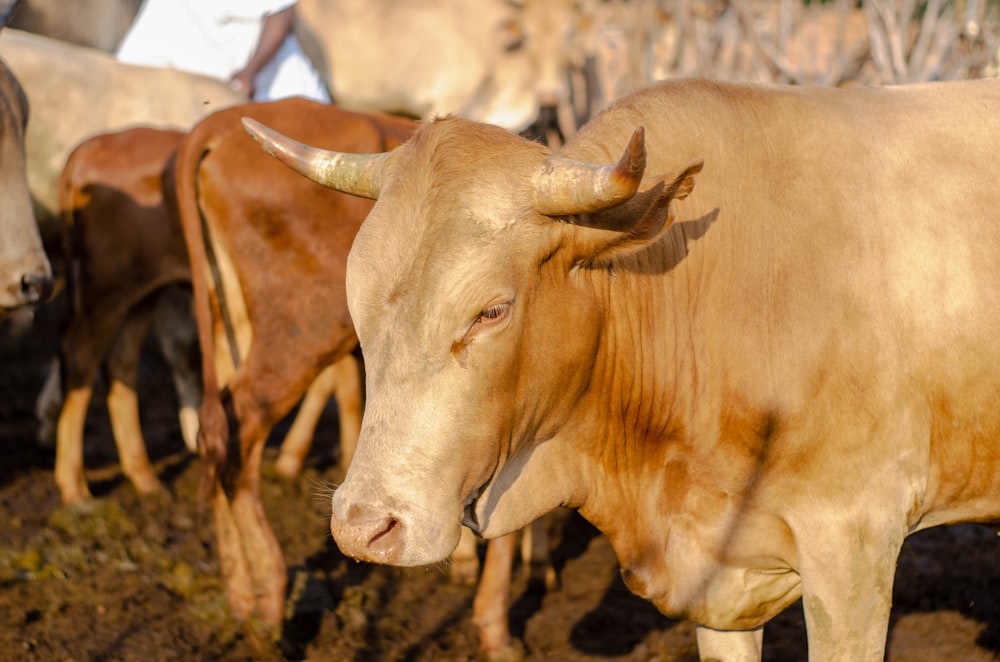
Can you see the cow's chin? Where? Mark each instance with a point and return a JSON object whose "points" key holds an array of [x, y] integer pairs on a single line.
{"points": [[486, 514]]}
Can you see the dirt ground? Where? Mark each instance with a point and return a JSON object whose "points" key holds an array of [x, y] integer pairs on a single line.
{"points": [[126, 579]]}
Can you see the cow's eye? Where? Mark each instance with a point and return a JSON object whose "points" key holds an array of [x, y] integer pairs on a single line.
{"points": [[493, 315]]}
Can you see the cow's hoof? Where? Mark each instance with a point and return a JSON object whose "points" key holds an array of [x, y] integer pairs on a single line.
{"points": [[288, 466]]}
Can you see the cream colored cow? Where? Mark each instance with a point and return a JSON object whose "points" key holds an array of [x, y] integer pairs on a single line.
{"points": [[757, 351]]}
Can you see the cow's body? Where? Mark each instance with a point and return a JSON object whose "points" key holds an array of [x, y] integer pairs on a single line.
{"points": [[279, 245], [127, 269], [259, 238], [99, 24], [108, 94], [25, 274], [756, 399], [128, 273]]}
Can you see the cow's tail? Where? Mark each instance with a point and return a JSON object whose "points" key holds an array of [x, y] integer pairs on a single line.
{"points": [[182, 180], [69, 232]]}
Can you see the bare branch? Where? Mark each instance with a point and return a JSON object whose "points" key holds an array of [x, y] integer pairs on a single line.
{"points": [[777, 65]]}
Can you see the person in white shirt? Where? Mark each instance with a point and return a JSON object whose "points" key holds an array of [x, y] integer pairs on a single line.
{"points": [[247, 42]]}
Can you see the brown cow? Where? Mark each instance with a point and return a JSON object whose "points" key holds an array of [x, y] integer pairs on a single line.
{"points": [[757, 386], [25, 274], [126, 265], [127, 271], [272, 281], [268, 252]]}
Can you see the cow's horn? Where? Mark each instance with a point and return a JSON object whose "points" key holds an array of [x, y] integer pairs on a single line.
{"points": [[355, 174], [564, 186]]}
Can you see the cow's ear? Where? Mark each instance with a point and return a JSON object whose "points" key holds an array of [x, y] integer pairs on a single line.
{"points": [[640, 221]]}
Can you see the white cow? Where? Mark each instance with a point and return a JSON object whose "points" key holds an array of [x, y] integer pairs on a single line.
{"points": [[488, 60], [25, 274], [99, 24], [78, 92]]}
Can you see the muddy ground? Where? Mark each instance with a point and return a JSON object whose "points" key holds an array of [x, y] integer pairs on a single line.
{"points": [[130, 579]]}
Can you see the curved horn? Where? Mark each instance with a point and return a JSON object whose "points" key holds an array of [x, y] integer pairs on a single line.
{"points": [[564, 186], [354, 174]]}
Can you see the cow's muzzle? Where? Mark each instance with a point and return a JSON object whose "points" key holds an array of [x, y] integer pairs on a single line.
{"points": [[36, 288], [366, 534]]}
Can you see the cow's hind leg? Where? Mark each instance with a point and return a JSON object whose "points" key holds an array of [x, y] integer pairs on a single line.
{"points": [[295, 446], [69, 475], [177, 334], [258, 544], [341, 380], [122, 367], [267, 563], [83, 347], [253, 567], [48, 405], [350, 402], [535, 554], [233, 563]]}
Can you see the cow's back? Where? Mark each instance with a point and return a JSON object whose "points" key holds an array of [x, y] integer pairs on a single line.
{"points": [[115, 223], [840, 253], [248, 192], [257, 233]]}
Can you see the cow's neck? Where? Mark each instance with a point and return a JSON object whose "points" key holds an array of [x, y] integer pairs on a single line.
{"points": [[656, 442]]}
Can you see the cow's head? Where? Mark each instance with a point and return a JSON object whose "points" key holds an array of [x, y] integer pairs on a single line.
{"points": [[25, 274], [473, 285]]}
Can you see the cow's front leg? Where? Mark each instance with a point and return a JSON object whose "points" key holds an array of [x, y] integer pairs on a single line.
{"points": [[492, 603], [847, 575], [730, 645]]}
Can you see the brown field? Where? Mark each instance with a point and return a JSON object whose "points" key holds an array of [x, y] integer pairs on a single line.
{"points": [[126, 579]]}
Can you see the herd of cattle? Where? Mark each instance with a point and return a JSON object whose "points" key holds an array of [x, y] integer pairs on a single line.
{"points": [[747, 331]]}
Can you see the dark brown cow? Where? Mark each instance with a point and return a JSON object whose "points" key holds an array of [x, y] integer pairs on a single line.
{"points": [[268, 251], [126, 264]]}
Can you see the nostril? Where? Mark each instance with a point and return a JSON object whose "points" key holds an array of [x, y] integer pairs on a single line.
{"points": [[367, 533], [36, 287], [390, 527]]}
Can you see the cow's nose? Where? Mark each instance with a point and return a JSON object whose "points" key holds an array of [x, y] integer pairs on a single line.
{"points": [[36, 287], [367, 534]]}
